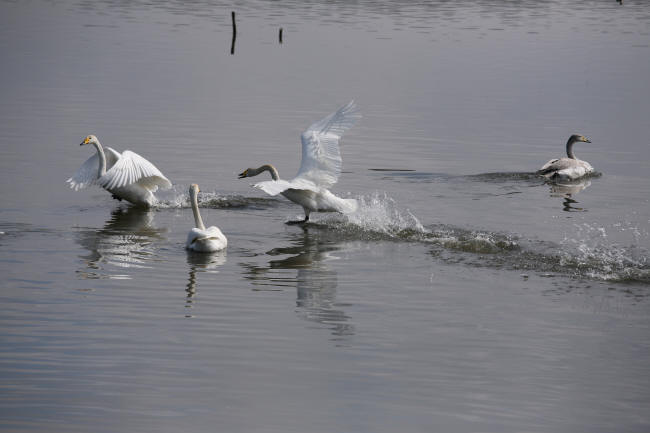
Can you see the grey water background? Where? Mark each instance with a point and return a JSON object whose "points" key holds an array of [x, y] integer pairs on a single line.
{"points": [[464, 296]]}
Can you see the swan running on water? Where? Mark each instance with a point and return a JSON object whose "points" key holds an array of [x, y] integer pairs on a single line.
{"points": [[127, 176], [320, 167], [570, 168], [200, 239]]}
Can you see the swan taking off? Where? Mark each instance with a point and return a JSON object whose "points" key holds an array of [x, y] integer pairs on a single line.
{"points": [[200, 239], [127, 176], [570, 168], [320, 167]]}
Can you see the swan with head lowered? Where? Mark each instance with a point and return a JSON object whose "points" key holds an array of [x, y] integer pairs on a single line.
{"points": [[200, 239], [320, 167], [570, 168], [127, 175]]}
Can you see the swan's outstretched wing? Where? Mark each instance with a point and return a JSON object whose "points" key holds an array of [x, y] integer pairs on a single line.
{"points": [[88, 172], [132, 168], [321, 157], [275, 187]]}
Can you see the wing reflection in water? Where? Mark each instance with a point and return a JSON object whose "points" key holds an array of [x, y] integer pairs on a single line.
{"points": [[201, 263], [567, 190], [125, 241], [315, 282]]}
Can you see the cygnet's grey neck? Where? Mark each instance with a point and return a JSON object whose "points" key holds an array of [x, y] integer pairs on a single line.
{"points": [[569, 147]]}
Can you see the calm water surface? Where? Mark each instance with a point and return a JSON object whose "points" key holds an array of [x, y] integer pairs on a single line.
{"points": [[465, 295]]}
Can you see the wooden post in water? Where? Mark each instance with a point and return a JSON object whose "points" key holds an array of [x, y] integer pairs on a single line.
{"points": [[280, 35], [234, 33]]}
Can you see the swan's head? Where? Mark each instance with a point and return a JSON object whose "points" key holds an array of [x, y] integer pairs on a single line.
{"points": [[194, 189], [247, 173], [91, 139], [581, 138]]}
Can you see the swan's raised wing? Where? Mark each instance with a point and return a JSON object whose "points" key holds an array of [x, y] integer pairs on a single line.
{"points": [[275, 187], [321, 157], [132, 168], [89, 170]]}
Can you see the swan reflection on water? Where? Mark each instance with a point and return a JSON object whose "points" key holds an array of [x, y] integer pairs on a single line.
{"points": [[566, 190], [315, 282], [200, 263], [125, 241]]}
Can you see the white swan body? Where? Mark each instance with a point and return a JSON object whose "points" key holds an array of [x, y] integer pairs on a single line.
{"points": [[320, 167], [570, 168], [127, 176], [200, 239]]}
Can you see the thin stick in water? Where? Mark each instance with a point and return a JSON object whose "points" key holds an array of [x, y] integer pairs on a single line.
{"points": [[234, 33]]}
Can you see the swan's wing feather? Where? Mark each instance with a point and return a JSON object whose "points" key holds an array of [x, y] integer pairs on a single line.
{"points": [[557, 165], [275, 187], [133, 168], [88, 172], [321, 156], [211, 232], [565, 168], [112, 157], [86, 175]]}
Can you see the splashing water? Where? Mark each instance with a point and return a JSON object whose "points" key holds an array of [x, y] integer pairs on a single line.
{"points": [[377, 216], [592, 252], [172, 198]]}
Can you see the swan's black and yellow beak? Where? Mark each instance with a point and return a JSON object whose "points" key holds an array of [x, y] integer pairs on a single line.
{"points": [[585, 139], [86, 140], [243, 174]]}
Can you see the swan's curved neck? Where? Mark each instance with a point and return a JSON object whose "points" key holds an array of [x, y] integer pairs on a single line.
{"points": [[102, 159], [569, 148], [266, 167], [195, 209]]}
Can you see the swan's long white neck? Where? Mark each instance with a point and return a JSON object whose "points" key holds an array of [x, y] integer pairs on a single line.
{"points": [[265, 167], [102, 159], [569, 148], [195, 209]]}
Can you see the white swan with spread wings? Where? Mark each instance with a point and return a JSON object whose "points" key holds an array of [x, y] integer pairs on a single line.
{"points": [[127, 176], [320, 167]]}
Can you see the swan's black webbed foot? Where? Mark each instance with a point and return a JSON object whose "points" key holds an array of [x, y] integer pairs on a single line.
{"points": [[116, 197]]}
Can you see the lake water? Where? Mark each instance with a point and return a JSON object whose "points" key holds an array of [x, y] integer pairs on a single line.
{"points": [[465, 295]]}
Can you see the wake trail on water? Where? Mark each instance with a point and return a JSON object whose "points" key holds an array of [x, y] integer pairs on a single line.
{"points": [[174, 198], [587, 253]]}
